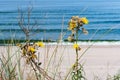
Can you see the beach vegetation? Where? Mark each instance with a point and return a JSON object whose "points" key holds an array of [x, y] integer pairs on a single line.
{"points": [[25, 21], [75, 24], [36, 60]]}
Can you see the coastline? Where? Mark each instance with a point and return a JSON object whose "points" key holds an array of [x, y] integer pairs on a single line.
{"points": [[63, 42]]}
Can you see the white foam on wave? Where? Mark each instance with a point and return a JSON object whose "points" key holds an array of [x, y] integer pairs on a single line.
{"points": [[107, 43], [87, 43]]}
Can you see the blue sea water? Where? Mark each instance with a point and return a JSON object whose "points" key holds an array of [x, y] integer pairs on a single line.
{"points": [[52, 18]]}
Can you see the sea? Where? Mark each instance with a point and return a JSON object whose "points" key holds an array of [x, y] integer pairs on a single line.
{"points": [[49, 19]]}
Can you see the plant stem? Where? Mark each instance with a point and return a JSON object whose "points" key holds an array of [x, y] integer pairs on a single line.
{"points": [[77, 52], [44, 73], [34, 71]]}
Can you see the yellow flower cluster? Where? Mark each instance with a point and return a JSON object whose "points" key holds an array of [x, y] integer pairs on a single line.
{"points": [[75, 21], [75, 24], [29, 50]]}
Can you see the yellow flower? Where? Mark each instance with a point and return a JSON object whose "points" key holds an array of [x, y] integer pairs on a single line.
{"points": [[84, 20], [31, 49], [40, 44], [72, 25], [76, 46]]}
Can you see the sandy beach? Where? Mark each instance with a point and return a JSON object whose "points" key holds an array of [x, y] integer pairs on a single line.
{"points": [[99, 61]]}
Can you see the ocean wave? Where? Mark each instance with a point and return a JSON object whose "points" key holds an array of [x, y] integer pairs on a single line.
{"points": [[114, 31], [100, 43]]}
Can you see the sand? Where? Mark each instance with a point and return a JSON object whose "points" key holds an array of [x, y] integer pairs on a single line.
{"points": [[99, 61]]}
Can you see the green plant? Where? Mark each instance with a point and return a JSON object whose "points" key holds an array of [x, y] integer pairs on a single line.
{"points": [[75, 25]]}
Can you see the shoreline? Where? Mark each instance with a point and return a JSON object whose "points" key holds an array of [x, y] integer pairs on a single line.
{"points": [[84, 42]]}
